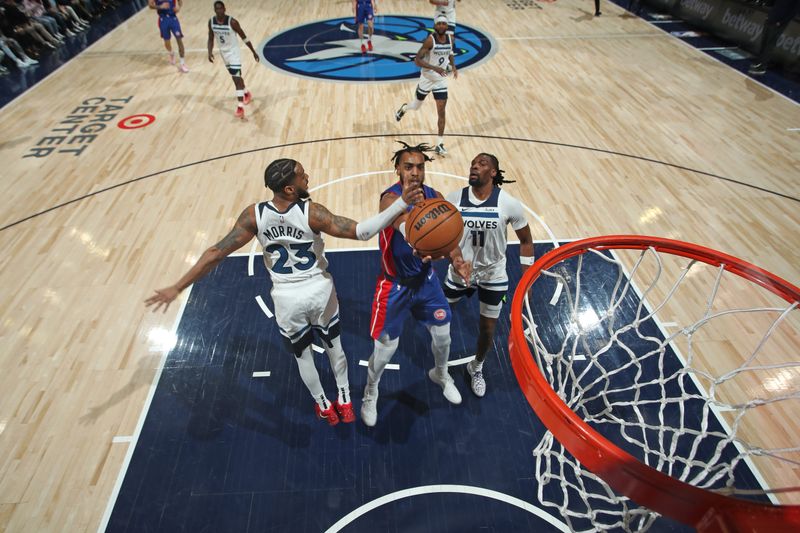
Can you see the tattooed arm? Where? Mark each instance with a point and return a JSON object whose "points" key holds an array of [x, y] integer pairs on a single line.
{"points": [[243, 231], [320, 219]]}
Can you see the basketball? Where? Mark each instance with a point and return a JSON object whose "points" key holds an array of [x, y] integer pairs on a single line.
{"points": [[434, 227]]}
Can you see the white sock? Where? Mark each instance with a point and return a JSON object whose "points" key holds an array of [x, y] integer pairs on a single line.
{"points": [[381, 355], [440, 345], [339, 366], [440, 140], [182, 62], [239, 94], [310, 376], [413, 105], [476, 365]]}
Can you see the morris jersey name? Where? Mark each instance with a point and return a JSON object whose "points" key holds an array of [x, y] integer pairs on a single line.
{"points": [[274, 232]]}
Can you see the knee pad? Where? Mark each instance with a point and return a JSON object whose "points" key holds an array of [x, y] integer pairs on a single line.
{"points": [[491, 310]]}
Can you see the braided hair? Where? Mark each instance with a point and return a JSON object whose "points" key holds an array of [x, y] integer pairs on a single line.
{"points": [[279, 173], [499, 179], [408, 149]]}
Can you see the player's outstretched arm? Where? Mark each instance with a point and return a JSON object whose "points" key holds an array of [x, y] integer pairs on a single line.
{"points": [[243, 231], [320, 219], [238, 29], [525, 247]]}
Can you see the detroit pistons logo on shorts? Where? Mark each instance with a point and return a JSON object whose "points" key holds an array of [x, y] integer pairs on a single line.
{"points": [[331, 50], [440, 314]]}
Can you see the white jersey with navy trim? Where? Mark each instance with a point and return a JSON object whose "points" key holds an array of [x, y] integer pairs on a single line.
{"points": [[484, 239], [292, 251], [227, 41], [438, 56], [448, 11]]}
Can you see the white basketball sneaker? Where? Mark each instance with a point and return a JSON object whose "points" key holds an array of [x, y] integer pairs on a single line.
{"points": [[369, 406], [449, 389], [439, 149], [477, 383]]}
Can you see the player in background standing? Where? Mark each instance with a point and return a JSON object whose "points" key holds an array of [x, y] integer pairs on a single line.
{"points": [[486, 210], [365, 10], [435, 59], [448, 9], [289, 228], [224, 28], [168, 24]]}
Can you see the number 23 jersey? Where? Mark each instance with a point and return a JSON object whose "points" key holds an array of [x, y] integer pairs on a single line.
{"points": [[292, 250]]}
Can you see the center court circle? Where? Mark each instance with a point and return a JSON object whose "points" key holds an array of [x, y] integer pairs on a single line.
{"points": [[331, 50]]}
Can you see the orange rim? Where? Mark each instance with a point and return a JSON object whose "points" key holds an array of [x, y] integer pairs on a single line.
{"points": [[623, 472]]}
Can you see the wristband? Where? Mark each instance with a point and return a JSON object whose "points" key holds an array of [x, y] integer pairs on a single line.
{"points": [[247, 41], [526, 260]]}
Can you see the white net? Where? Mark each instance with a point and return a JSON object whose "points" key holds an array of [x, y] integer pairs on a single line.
{"points": [[691, 369]]}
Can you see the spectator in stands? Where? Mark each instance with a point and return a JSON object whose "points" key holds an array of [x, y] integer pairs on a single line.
{"points": [[19, 25], [12, 50], [780, 14]]}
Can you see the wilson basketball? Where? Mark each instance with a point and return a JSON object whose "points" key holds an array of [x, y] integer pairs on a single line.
{"points": [[434, 227]]}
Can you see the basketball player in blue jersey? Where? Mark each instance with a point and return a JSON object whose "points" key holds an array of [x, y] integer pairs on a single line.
{"points": [[407, 285], [224, 29], [486, 210], [365, 11], [436, 59], [289, 229], [168, 25]]}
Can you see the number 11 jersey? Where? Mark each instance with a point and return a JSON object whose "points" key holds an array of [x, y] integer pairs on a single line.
{"points": [[484, 239]]}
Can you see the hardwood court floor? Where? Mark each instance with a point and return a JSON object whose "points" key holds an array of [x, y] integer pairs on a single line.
{"points": [[609, 126]]}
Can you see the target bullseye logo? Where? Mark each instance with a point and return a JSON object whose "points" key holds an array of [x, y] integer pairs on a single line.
{"points": [[136, 121]]}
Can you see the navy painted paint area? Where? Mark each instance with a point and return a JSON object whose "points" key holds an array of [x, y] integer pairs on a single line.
{"points": [[20, 80], [223, 451]]}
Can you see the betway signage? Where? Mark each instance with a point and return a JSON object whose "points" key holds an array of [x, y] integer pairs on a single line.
{"points": [[734, 22]]}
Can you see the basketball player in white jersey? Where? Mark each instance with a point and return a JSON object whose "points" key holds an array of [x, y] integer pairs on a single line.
{"points": [[486, 210], [436, 60], [289, 228], [448, 9], [223, 28]]}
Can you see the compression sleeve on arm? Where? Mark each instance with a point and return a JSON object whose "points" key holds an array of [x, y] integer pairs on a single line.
{"points": [[366, 229]]}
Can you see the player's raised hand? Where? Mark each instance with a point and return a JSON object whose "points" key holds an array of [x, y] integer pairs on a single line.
{"points": [[256, 57], [211, 58], [162, 297], [412, 192]]}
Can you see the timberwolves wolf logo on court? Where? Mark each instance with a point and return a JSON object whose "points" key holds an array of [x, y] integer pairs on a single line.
{"points": [[331, 50]]}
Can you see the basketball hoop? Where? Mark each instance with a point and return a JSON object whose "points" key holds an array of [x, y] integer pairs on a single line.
{"points": [[593, 365]]}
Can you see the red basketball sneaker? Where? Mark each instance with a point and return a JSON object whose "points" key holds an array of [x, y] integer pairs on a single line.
{"points": [[328, 414], [363, 49], [345, 411], [369, 46], [247, 98], [239, 112]]}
